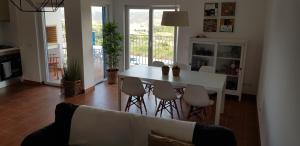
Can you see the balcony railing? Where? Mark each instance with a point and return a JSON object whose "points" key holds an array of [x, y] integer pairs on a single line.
{"points": [[163, 49]]}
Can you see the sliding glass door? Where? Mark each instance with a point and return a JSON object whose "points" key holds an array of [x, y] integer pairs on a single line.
{"points": [[147, 40], [99, 18], [163, 39], [56, 46]]}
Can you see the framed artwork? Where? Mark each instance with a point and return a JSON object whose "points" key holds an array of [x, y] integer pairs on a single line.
{"points": [[210, 25], [226, 25], [228, 9], [211, 9]]}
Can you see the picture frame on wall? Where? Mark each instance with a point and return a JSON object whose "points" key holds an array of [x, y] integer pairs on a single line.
{"points": [[211, 9], [228, 8], [227, 25], [210, 25]]}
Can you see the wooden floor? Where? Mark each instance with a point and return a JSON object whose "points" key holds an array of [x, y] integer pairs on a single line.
{"points": [[26, 108]]}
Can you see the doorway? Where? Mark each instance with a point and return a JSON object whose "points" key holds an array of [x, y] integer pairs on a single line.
{"points": [[55, 45], [99, 18]]}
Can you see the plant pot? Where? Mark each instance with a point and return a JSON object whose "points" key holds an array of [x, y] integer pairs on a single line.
{"points": [[165, 70], [72, 88], [176, 72], [112, 76]]}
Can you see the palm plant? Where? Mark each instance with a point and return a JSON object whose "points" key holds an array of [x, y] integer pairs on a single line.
{"points": [[72, 72], [112, 45]]}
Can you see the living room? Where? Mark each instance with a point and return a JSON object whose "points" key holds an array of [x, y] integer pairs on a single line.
{"points": [[262, 36]]}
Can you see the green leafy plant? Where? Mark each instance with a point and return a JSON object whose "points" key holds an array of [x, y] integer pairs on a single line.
{"points": [[112, 47], [72, 72]]}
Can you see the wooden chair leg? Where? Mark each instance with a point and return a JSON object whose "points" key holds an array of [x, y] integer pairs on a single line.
{"points": [[143, 102], [162, 107], [175, 104], [171, 109], [190, 112], [157, 110], [128, 104], [180, 101], [140, 104]]}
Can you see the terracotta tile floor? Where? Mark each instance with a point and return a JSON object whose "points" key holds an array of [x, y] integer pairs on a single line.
{"points": [[26, 108]]}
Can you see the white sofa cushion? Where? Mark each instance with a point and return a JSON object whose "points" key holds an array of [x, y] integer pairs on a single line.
{"points": [[95, 127], [143, 125]]}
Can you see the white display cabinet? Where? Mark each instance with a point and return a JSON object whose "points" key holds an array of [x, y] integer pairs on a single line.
{"points": [[225, 56]]}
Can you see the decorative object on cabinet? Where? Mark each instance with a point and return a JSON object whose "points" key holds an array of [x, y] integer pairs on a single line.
{"points": [[176, 70], [37, 6], [211, 9], [225, 56], [227, 25], [228, 9], [210, 25], [165, 70]]}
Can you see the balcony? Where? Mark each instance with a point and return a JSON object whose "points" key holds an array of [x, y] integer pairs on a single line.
{"points": [[163, 49]]}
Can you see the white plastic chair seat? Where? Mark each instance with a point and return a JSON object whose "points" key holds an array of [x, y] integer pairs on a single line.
{"points": [[157, 64], [164, 90], [133, 86], [197, 96], [183, 66], [207, 69]]}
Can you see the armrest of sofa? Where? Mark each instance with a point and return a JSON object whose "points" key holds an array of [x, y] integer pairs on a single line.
{"points": [[206, 135], [57, 133], [44, 137]]}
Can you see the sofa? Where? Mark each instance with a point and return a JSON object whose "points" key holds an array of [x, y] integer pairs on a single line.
{"points": [[88, 126]]}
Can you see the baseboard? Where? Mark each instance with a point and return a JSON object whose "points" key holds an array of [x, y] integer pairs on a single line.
{"points": [[261, 126], [28, 82], [89, 90]]}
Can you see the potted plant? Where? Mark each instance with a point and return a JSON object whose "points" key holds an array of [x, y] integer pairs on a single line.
{"points": [[165, 70], [176, 70], [112, 47], [71, 80]]}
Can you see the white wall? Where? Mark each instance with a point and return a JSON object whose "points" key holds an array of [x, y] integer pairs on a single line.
{"points": [[279, 102], [28, 44], [23, 31], [250, 15], [79, 31]]}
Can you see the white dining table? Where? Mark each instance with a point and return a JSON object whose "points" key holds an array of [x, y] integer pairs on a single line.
{"points": [[211, 81]]}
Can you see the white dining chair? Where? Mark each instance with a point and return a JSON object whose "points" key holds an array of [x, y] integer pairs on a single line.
{"points": [[164, 91], [197, 98], [134, 88], [148, 84], [183, 66], [157, 64], [209, 69]]}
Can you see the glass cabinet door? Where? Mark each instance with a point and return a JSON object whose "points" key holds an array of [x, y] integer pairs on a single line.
{"points": [[229, 62], [202, 55]]}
